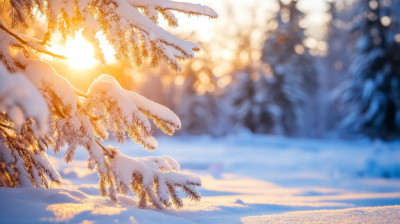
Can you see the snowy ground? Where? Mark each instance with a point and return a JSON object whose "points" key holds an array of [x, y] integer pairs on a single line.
{"points": [[249, 179]]}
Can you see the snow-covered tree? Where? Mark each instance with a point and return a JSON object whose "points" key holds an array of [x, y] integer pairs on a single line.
{"points": [[252, 102], [202, 114], [292, 68], [338, 39], [40, 110], [199, 109], [335, 63], [371, 99]]}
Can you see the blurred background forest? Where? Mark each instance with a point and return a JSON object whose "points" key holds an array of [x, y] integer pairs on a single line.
{"points": [[306, 68]]}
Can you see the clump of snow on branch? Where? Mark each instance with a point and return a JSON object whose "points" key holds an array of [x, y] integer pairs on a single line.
{"points": [[154, 179], [41, 110], [22, 100], [116, 109]]}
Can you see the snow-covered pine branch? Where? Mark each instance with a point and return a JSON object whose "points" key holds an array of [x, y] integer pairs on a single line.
{"points": [[41, 110], [130, 25], [154, 179]]}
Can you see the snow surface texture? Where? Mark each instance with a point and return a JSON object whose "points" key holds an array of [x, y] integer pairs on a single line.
{"points": [[387, 214], [246, 178]]}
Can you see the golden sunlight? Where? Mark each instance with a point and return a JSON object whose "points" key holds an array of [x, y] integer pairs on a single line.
{"points": [[79, 52]]}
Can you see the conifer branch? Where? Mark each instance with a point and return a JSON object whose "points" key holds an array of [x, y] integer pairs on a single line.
{"points": [[51, 113], [22, 41]]}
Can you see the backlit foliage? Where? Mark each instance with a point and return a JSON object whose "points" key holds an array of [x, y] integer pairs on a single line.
{"points": [[40, 110]]}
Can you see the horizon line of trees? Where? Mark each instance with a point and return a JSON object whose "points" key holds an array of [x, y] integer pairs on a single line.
{"points": [[351, 91]]}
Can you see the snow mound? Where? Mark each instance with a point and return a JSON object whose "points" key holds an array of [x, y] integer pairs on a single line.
{"points": [[385, 214]]}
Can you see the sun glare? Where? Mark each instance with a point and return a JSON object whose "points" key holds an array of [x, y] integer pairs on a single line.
{"points": [[79, 52]]}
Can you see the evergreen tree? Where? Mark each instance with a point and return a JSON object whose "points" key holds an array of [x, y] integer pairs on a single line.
{"points": [[239, 96], [39, 109], [201, 113], [371, 99], [294, 75], [252, 102], [338, 38], [335, 62]]}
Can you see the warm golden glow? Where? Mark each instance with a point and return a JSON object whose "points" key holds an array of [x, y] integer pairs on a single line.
{"points": [[386, 20], [79, 52], [397, 38]]}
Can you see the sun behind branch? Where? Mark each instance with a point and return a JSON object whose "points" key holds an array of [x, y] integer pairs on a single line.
{"points": [[79, 52]]}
